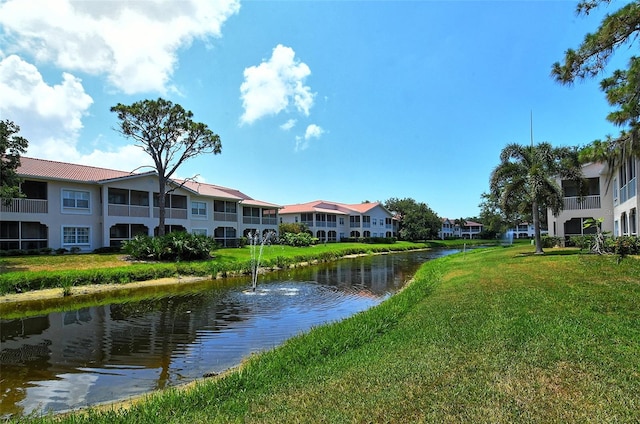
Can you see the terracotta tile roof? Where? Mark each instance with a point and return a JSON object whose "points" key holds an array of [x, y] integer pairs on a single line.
{"points": [[41, 168], [323, 206], [208, 190], [213, 190], [30, 167]]}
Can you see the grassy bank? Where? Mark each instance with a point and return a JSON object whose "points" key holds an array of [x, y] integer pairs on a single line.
{"points": [[491, 335], [26, 273]]}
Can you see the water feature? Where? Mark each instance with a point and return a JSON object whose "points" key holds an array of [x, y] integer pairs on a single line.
{"points": [[102, 353], [256, 244], [507, 238]]}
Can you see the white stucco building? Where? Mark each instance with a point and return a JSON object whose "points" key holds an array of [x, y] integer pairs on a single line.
{"points": [[332, 221], [83, 207], [598, 202]]}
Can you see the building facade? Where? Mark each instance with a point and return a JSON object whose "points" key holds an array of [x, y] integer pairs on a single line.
{"points": [[466, 230], [83, 208], [332, 221], [596, 203]]}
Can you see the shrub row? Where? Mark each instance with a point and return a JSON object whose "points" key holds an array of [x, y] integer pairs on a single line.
{"points": [[621, 245], [175, 246]]}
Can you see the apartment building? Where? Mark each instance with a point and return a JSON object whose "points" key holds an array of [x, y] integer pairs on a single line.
{"points": [[332, 221], [83, 207], [596, 203], [466, 230]]}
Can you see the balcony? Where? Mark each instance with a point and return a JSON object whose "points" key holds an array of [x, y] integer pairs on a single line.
{"points": [[269, 221], [128, 210], [585, 202], [26, 206], [628, 190], [171, 213], [225, 216], [251, 220]]}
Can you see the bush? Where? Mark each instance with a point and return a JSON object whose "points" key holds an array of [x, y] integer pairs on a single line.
{"points": [[296, 239], [582, 242], [548, 241], [176, 246]]}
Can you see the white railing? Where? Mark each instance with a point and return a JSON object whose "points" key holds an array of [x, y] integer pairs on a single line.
{"points": [[26, 206], [585, 202], [628, 190]]}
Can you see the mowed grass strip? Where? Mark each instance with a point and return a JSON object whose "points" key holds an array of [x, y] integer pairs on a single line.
{"points": [[491, 335]]}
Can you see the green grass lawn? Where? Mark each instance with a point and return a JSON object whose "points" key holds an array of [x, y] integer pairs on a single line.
{"points": [[491, 335]]}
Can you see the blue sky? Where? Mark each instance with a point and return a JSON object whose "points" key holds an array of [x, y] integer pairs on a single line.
{"points": [[338, 100]]}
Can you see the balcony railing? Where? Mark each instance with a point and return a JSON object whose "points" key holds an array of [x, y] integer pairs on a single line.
{"points": [[171, 213], [26, 206], [269, 221], [225, 216], [585, 202], [628, 190], [128, 210], [251, 220]]}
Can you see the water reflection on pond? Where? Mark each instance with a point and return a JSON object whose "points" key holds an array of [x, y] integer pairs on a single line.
{"points": [[98, 354]]}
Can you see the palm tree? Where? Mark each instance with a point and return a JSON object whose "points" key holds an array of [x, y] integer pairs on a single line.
{"points": [[526, 178]]}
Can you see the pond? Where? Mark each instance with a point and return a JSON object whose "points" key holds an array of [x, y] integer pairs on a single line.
{"points": [[98, 354]]}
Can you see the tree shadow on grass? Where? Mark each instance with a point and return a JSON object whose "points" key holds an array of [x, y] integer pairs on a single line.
{"points": [[556, 252]]}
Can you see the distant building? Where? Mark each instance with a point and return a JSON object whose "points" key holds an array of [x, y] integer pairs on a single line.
{"points": [[332, 221], [526, 230], [468, 230]]}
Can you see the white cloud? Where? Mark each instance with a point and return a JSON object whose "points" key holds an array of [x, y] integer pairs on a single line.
{"points": [[50, 116], [134, 43], [313, 131], [272, 86], [288, 125]]}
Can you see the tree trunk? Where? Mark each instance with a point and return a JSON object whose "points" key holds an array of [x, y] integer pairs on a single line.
{"points": [[536, 227], [162, 201]]}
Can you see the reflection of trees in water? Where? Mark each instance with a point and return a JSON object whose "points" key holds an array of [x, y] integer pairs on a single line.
{"points": [[153, 333]]}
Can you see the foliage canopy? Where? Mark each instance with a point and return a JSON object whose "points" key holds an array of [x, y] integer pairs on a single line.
{"points": [[11, 147], [169, 135], [526, 179], [621, 87]]}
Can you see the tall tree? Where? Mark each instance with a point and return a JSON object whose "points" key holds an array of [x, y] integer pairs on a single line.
{"points": [[526, 177], [622, 87], [416, 220], [11, 147], [493, 220], [167, 133]]}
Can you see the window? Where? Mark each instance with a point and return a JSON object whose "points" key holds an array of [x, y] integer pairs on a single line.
{"points": [[199, 209], [75, 235], [75, 199], [222, 206], [374, 222], [199, 231], [118, 196], [342, 220], [34, 189]]}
